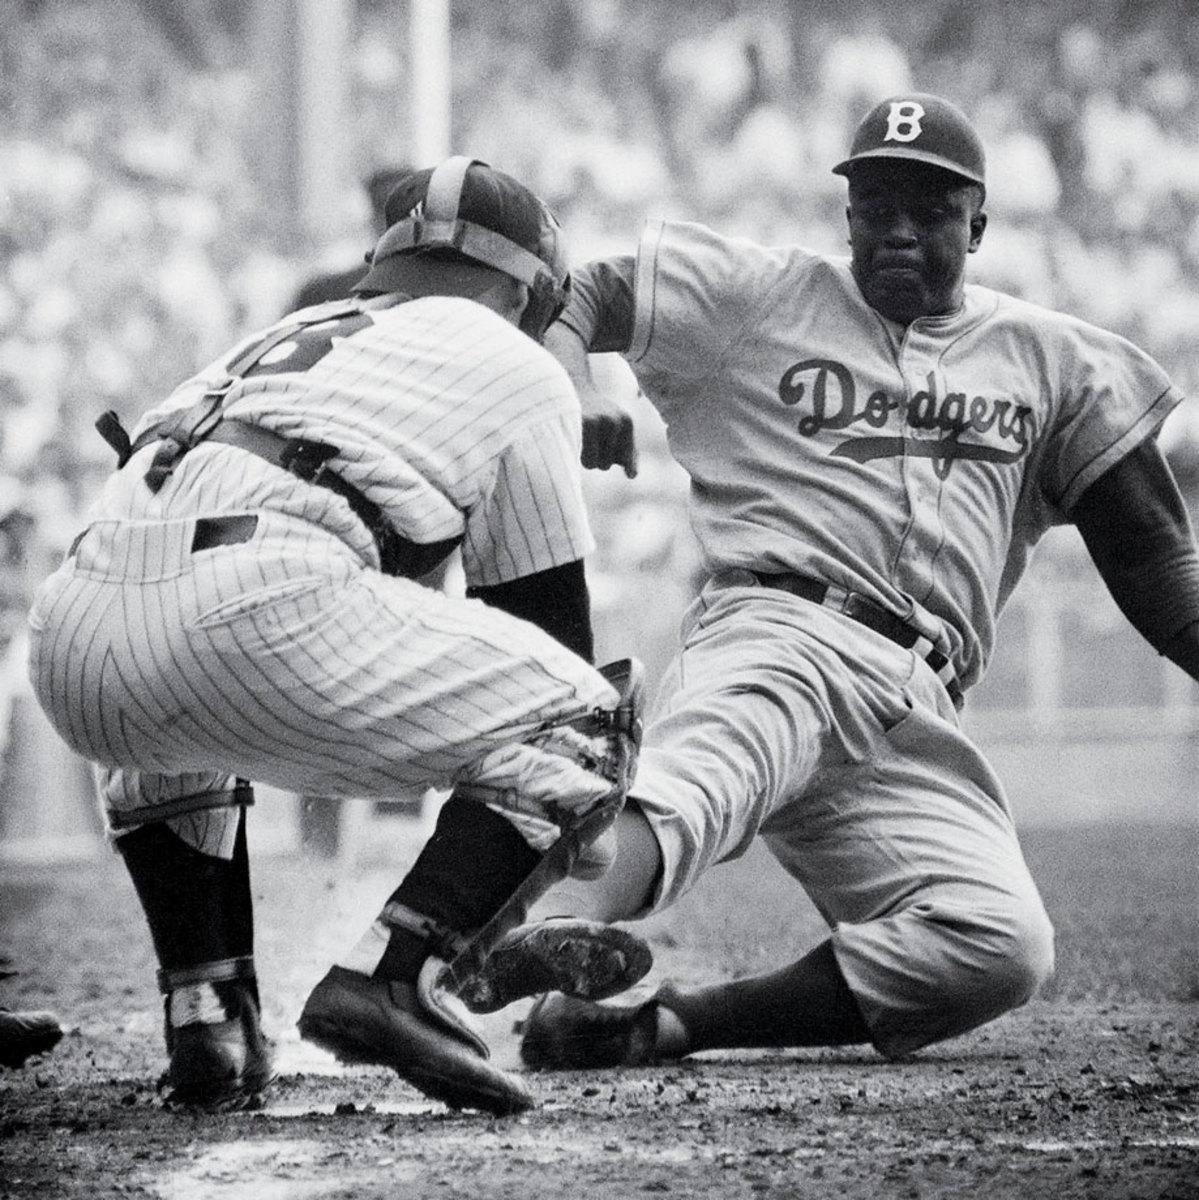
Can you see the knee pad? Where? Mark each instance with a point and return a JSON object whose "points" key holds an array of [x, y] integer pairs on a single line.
{"points": [[567, 768], [615, 732]]}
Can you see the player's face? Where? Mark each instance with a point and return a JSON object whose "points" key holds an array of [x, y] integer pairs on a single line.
{"points": [[910, 229]]}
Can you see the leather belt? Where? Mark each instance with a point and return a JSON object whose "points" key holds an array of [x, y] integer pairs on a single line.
{"points": [[397, 555], [866, 612]]}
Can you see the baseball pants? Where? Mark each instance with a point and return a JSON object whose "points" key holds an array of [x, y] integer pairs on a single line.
{"points": [[287, 661], [844, 753]]}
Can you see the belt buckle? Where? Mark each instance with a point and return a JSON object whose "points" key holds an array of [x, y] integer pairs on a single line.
{"points": [[853, 604], [862, 609]]}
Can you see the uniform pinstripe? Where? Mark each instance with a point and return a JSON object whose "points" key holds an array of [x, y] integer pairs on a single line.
{"points": [[290, 659]]}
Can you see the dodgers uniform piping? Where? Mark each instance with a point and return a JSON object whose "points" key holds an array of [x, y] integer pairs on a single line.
{"points": [[881, 444]]}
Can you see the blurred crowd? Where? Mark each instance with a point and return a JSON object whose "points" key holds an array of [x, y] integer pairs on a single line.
{"points": [[1090, 112], [133, 244]]}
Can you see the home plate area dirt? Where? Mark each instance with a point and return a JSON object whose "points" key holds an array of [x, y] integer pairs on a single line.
{"points": [[1091, 1092]]}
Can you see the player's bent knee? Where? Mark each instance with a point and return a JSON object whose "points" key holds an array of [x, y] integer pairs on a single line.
{"points": [[1028, 965], [945, 966], [1007, 957]]}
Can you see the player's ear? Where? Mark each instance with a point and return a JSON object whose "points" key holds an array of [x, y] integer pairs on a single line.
{"points": [[513, 298], [978, 225], [506, 296], [520, 297]]}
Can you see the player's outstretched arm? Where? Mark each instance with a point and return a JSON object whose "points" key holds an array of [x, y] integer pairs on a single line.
{"points": [[1138, 532], [608, 433]]}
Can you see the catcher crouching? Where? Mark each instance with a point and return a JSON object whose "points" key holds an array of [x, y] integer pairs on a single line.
{"points": [[246, 603]]}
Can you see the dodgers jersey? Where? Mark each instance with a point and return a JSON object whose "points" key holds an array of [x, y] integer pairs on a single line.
{"points": [[481, 440], [916, 465]]}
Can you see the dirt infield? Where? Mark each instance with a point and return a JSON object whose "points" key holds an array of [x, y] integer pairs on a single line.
{"points": [[1091, 1092]]}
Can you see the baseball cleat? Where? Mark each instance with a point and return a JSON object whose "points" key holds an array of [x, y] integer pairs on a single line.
{"points": [[24, 1034], [562, 1034], [584, 959], [222, 1066], [405, 1026]]}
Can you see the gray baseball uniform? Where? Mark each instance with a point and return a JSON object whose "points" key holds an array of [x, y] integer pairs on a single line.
{"points": [[866, 496], [282, 654]]}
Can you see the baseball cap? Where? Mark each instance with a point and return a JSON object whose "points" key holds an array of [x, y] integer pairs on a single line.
{"points": [[450, 227], [920, 127]]}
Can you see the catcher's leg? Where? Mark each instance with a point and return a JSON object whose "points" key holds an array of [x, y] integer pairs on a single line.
{"points": [[392, 1002], [199, 910], [582, 832], [375, 1007]]}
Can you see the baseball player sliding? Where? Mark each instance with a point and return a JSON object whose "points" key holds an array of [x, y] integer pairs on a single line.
{"points": [[245, 604], [874, 448]]}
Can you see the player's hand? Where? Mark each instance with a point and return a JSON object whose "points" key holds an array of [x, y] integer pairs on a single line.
{"points": [[608, 435]]}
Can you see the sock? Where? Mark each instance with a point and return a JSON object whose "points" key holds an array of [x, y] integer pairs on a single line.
{"points": [[237, 899], [807, 1003], [625, 891], [473, 862], [671, 1039], [198, 908]]}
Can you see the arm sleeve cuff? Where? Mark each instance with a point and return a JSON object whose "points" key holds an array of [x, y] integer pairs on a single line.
{"points": [[601, 305]]}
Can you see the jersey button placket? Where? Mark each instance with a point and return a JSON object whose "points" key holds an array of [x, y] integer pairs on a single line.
{"points": [[922, 388]]}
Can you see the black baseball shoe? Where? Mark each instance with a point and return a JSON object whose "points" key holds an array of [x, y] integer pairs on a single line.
{"points": [[412, 1030], [584, 959], [562, 1034], [222, 1066], [24, 1034]]}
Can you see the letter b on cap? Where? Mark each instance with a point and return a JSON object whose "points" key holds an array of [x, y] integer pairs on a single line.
{"points": [[903, 121]]}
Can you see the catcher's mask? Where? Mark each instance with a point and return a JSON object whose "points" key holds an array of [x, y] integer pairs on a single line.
{"points": [[445, 222]]}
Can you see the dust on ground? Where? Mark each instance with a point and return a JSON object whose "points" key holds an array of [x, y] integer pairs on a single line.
{"points": [[1091, 1091]]}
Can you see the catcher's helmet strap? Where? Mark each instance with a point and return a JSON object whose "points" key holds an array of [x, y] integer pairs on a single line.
{"points": [[438, 226], [220, 971], [444, 191], [485, 245]]}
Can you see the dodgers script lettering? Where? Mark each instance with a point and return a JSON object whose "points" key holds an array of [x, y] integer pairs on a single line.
{"points": [[974, 427]]}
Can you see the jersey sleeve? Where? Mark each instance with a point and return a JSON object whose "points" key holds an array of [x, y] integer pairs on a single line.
{"points": [[1113, 398], [533, 515], [696, 292], [601, 304]]}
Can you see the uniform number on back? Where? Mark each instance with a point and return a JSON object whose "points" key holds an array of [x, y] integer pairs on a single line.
{"points": [[308, 345]]}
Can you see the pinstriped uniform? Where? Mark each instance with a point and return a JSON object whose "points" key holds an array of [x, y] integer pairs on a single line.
{"points": [[290, 659]]}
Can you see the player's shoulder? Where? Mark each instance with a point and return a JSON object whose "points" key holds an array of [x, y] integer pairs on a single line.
{"points": [[329, 285], [697, 258], [468, 332], [1010, 307], [448, 317], [694, 237], [1049, 326]]}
